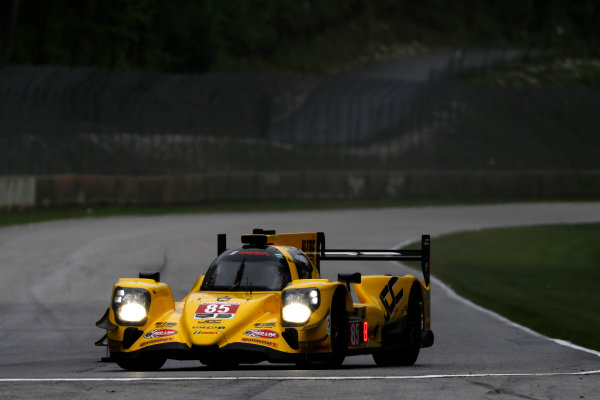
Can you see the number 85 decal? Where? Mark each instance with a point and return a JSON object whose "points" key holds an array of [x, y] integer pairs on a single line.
{"points": [[218, 308]]}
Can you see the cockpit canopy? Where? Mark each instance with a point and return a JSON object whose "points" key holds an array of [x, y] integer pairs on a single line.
{"points": [[245, 268]]}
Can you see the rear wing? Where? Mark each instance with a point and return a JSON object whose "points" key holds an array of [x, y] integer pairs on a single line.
{"points": [[313, 245], [308, 242], [422, 255]]}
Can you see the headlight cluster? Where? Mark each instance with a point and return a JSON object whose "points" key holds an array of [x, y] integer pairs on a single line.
{"points": [[131, 306], [298, 305]]}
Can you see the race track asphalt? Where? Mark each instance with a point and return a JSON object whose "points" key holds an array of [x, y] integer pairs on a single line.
{"points": [[56, 278]]}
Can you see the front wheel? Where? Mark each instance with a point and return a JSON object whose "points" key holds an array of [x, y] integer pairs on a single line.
{"points": [[339, 332]]}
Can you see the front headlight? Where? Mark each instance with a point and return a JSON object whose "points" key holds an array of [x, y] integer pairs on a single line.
{"points": [[132, 312], [298, 305], [131, 306], [295, 313]]}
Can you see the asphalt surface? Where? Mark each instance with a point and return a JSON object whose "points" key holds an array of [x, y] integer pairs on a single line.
{"points": [[57, 278]]}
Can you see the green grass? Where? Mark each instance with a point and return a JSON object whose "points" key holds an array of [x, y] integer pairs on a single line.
{"points": [[545, 278]]}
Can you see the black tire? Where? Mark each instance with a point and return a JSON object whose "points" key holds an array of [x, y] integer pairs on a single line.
{"points": [[339, 332], [339, 338], [146, 362], [406, 352]]}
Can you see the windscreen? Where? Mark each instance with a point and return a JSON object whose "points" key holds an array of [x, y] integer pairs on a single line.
{"points": [[248, 269]]}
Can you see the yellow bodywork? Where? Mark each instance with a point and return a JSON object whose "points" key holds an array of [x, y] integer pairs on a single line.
{"points": [[224, 320]]}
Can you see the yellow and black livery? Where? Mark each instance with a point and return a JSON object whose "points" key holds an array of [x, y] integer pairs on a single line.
{"points": [[265, 300]]}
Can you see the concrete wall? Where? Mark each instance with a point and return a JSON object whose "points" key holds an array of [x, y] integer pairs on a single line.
{"points": [[17, 192], [56, 191]]}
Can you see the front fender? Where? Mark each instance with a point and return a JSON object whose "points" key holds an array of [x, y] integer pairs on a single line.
{"points": [[161, 302]]}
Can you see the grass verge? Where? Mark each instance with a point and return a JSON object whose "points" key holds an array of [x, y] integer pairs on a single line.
{"points": [[543, 277]]}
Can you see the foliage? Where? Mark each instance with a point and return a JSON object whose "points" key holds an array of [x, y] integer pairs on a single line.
{"points": [[192, 35], [544, 71]]}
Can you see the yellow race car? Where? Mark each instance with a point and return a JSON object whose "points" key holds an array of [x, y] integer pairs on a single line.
{"points": [[265, 301]]}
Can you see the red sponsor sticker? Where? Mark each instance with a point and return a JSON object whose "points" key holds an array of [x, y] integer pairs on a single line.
{"points": [[158, 333], [262, 333], [254, 253]]}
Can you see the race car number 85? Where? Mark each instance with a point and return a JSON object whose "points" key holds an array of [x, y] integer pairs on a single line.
{"points": [[217, 308], [211, 308], [355, 334]]}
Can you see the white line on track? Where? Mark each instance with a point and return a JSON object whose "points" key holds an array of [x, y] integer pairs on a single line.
{"points": [[295, 378]]}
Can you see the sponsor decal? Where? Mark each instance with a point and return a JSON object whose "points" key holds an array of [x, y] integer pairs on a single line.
{"points": [[209, 327], [156, 341], [202, 316], [205, 333], [254, 253], [166, 324], [216, 310], [390, 298], [328, 322], [157, 333], [308, 246], [226, 298], [211, 321], [261, 342], [262, 333], [265, 325]]}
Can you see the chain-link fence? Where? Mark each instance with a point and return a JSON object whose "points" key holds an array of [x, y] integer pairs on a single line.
{"points": [[57, 120]]}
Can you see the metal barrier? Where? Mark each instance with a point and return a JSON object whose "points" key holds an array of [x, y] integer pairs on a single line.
{"points": [[57, 120]]}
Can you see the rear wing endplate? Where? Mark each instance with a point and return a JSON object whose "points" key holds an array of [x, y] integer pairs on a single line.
{"points": [[422, 255]]}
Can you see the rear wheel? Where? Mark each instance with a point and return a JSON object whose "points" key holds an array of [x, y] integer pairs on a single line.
{"points": [[406, 351], [146, 362]]}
